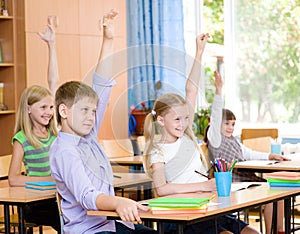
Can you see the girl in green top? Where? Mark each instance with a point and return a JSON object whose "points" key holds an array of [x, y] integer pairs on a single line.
{"points": [[35, 130]]}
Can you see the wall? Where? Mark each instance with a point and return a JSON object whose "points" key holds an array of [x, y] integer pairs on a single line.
{"points": [[78, 43]]}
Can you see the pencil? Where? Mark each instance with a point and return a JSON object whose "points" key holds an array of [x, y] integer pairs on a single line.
{"points": [[198, 172]]}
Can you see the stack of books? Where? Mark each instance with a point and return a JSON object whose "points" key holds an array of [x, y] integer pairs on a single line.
{"points": [[178, 205], [41, 186], [283, 179]]}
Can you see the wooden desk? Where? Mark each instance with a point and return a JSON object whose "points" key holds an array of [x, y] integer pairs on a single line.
{"points": [[238, 201], [128, 161], [293, 165], [20, 196], [139, 180]]}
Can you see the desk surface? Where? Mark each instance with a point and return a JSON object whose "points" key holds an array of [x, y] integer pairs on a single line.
{"points": [[128, 161], [293, 165], [23, 195], [237, 201], [130, 179]]}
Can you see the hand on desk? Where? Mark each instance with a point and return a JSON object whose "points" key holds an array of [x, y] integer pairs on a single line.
{"points": [[128, 210], [209, 185], [278, 157]]}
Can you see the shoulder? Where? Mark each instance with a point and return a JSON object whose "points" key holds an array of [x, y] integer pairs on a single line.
{"points": [[19, 136]]}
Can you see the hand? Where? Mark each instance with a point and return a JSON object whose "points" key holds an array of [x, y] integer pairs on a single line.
{"points": [[218, 82], [278, 157], [207, 186], [201, 42], [107, 23], [128, 210], [49, 35]]}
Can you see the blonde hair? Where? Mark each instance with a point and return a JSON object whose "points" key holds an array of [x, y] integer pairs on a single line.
{"points": [[160, 108], [24, 123]]}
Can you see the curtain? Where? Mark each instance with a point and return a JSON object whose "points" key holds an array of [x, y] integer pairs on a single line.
{"points": [[156, 54]]}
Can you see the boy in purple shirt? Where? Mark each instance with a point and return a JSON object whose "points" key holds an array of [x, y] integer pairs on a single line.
{"points": [[79, 165]]}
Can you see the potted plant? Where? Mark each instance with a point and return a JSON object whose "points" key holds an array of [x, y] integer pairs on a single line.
{"points": [[201, 121]]}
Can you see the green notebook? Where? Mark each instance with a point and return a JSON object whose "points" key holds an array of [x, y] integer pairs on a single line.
{"points": [[178, 202]]}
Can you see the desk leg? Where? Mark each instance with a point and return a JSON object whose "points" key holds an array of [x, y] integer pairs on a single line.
{"points": [[21, 220], [287, 215], [180, 227], [160, 227], [6, 219], [274, 218]]}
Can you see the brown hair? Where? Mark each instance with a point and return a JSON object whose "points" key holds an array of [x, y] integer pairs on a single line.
{"points": [[71, 92]]}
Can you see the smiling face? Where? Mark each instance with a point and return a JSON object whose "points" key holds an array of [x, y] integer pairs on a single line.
{"points": [[79, 119], [42, 111], [174, 122], [227, 127]]}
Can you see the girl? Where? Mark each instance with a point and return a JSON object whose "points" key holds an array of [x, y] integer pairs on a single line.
{"points": [[35, 130], [222, 144], [172, 160]]}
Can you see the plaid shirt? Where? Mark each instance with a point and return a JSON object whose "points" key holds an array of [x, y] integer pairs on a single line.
{"points": [[230, 149]]}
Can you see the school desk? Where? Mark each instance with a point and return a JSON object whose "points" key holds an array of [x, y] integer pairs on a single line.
{"points": [[262, 166], [128, 161], [20, 196], [238, 201]]}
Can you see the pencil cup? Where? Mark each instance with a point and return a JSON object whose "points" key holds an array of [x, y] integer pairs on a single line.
{"points": [[223, 183], [275, 148]]}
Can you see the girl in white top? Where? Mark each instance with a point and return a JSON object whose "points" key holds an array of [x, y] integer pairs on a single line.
{"points": [[172, 160]]}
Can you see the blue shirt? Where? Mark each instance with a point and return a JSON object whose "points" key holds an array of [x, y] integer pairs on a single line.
{"points": [[82, 171]]}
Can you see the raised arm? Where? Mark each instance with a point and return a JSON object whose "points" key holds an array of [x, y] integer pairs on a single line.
{"points": [[104, 66], [193, 81], [49, 38]]}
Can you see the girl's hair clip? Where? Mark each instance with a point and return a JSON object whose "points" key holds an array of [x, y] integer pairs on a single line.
{"points": [[153, 112]]}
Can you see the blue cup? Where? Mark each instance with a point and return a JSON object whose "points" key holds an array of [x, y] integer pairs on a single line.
{"points": [[223, 183], [276, 148]]}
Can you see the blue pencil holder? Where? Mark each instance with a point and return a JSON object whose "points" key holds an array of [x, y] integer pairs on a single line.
{"points": [[223, 183]]}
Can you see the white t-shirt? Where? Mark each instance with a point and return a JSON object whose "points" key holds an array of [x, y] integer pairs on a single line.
{"points": [[188, 174]]}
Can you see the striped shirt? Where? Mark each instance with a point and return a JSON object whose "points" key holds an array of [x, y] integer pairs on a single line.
{"points": [[36, 161]]}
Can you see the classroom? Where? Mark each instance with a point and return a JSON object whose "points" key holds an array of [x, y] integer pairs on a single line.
{"points": [[261, 95]]}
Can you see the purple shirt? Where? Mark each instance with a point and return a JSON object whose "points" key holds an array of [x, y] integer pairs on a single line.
{"points": [[82, 171]]}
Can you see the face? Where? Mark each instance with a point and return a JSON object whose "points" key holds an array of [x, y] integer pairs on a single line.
{"points": [[174, 122], [80, 118], [227, 127], [41, 112]]}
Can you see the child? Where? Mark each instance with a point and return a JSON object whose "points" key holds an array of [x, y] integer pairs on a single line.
{"points": [[79, 165], [221, 144], [35, 130], [172, 160]]}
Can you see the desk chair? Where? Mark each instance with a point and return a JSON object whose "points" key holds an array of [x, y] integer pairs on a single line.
{"points": [[117, 148], [248, 133], [61, 218]]}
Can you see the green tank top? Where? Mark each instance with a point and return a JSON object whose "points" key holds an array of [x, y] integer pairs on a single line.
{"points": [[36, 161]]}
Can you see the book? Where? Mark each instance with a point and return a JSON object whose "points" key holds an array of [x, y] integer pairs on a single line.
{"points": [[163, 211], [178, 202], [284, 175], [284, 184], [243, 185], [41, 185], [257, 162]]}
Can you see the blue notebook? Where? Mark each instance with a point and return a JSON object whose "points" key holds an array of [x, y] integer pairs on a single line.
{"points": [[41, 185], [284, 184]]}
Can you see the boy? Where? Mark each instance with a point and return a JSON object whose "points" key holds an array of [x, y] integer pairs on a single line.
{"points": [[80, 167]]}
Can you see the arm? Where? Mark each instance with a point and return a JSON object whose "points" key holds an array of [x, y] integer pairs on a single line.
{"points": [[164, 188], [15, 177], [49, 38], [214, 132], [104, 65], [193, 81]]}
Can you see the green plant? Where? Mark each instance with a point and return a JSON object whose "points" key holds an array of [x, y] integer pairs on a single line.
{"points": [[201, 121]]}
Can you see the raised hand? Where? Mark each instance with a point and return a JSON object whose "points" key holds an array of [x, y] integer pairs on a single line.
{"points": [[107, 23], [218, 82], [49, 35], [201, 42]]}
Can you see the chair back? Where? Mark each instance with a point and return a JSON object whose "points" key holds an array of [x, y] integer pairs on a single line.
{"points": [[117, 148], [261, 144], [248, 133], [61, 218]]}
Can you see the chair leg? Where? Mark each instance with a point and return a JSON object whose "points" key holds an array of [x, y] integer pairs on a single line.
{"points": [[40, 229], [29, 230]]}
